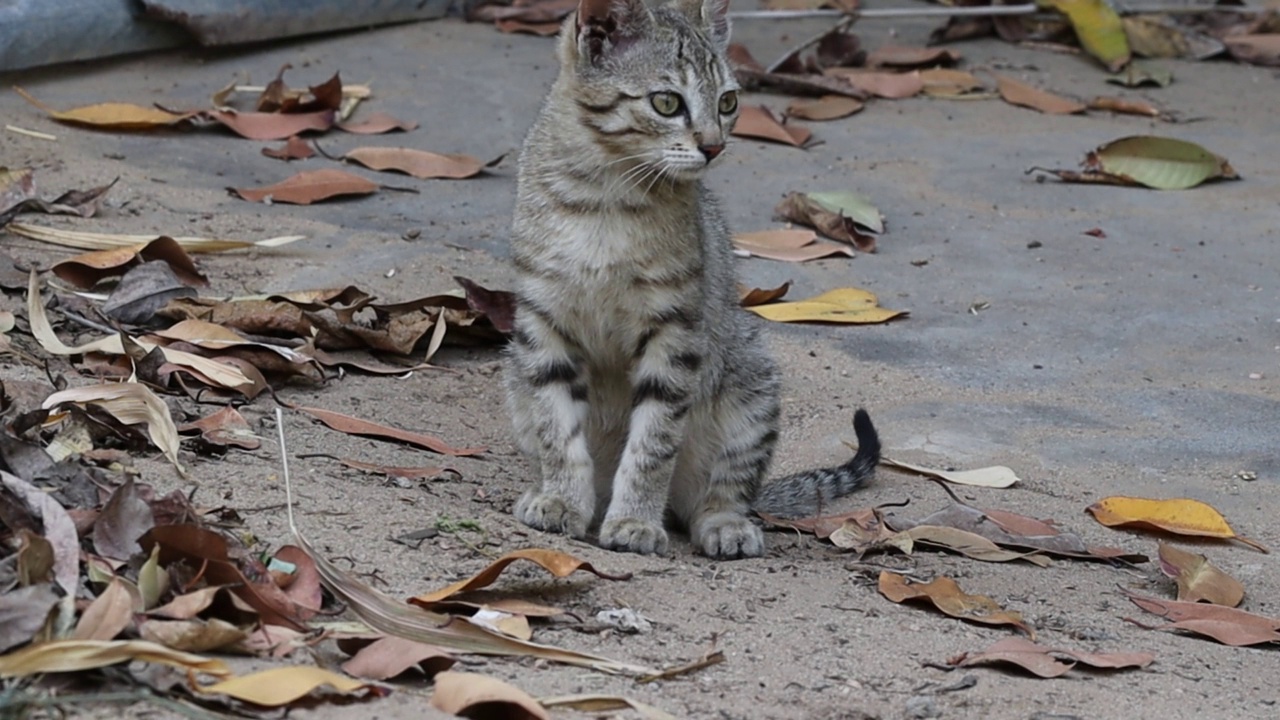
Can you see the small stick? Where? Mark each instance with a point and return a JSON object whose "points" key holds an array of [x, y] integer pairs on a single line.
{"points": [[712, 658], [889, 13], [30, 133]]}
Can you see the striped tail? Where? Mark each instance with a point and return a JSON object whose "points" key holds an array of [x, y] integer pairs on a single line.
{"points": [[807, 493]]}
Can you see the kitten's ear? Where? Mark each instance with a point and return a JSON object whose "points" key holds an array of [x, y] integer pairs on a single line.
{"points": [[606, 27], [715, 16]]}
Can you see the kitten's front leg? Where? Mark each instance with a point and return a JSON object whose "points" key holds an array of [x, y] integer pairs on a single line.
{"points": [[662, 381], [549, 404]]}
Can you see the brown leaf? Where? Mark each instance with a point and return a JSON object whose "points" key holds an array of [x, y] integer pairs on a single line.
{"points": [[188, 605], [893, 86], [756, 121], [822, 527], [24, 612], [947, 596], [35, 558], [16, 185], [941, 82], [407, 473], [112, 115], [276, 641], [1255, 49], [223, 428], [195, 636], [902, 56], [796, 84], [798, 207], [36, 504], [364, 428], [88, 269], [295, 148], [472, 695], [310, 186], [961, 541], [475, 600], [827, 107], [1016, 92], [125, 518], [514, 25], [750, 297], [1126, 106], [1198, 579], [1041, 661], [499, 306], [110, 613], [379, 123], [788, 245], [303, 584], [388, 657], [272, 126], [81, 203], [418, 163], [1227, 625], [557, 563]]}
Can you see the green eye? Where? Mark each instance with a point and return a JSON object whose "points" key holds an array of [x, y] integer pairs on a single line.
{"points": [[728, 103], [666, 103]]}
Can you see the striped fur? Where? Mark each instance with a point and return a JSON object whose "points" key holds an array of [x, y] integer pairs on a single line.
{"points": [[635, 382]]}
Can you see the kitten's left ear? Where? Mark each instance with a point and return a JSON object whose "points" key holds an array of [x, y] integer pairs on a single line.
{"points": [[715, 17]]}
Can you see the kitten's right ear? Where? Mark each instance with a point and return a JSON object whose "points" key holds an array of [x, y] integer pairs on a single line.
{"points": [[606, 27]]}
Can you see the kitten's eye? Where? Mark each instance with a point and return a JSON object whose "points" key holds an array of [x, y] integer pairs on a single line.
{"points": [[728, 103], [666, 103]]}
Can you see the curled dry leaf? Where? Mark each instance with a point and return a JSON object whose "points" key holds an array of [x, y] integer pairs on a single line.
{"points": [[195, 636], [76, 655], [459, 693], [285, 685], [996, 476], [1042, 662], [418, 163], [750, 297], [112, 115], [902, 56], [1181, 516], [892, 86], [835, 215], [272, 126], [757, 121], [1016, 92], [379, 123], [132, 404], [497, 305], [88, 269], [295, 148], [789, 245], [947, 596], [224, 428], [845, 306], [827, 107], [1227, 625], [1198, 579], [364, 428], [557, 563], [310, 186], [388, 657]]}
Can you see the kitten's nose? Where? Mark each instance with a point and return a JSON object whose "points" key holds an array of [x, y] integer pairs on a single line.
{"points": [[711, 151]]}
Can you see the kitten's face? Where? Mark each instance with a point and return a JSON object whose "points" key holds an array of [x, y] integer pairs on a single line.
{"points": [[653, 87]]}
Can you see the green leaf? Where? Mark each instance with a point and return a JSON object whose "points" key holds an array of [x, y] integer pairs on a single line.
{"points": [[857, 208], [1160, 163], [1099, 29]]}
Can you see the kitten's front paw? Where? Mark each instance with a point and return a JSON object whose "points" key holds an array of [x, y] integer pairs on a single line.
{"points": [[634, 535], [551, 512], [726, 536]]}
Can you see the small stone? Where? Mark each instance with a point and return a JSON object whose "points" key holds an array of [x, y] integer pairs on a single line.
{"points": [[413, 234], [1034, 244], [625, 620], [922, 707]]}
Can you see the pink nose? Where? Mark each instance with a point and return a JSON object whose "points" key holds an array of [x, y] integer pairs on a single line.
{"points": [[711, 151]]}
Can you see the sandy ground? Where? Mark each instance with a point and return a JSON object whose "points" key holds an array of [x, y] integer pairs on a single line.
{"points": [[1143, 363]]}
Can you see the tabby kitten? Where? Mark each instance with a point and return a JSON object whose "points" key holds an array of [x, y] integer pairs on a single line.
{"points": [[635, 382]]}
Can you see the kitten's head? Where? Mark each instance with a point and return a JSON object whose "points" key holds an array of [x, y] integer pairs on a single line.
{"points": [[652, 87]]}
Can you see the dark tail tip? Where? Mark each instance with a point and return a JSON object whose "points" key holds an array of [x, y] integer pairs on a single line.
{"points": [[868, 439]]}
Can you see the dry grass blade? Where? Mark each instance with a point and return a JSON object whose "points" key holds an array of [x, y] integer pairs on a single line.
{"points": [[106, 241], [413, 623]]}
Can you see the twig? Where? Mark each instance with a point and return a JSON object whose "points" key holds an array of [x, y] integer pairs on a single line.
{"points": [[87, 322], [888, 13], [712, 658], [30, 133], [840, 27]]}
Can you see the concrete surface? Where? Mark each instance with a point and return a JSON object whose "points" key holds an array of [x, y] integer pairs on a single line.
{"points": [[1142, 363]]}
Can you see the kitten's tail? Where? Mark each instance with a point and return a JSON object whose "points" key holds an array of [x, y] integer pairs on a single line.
{"points": [[804, 494]]}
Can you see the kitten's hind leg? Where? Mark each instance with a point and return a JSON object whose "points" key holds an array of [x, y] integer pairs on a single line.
{"points": [[547, 394]]}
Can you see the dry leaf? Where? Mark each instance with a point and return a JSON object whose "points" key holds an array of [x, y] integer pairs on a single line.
{"points": [[1228, 626], [132, 404], [223, 428], [272, 126], [378, 123], [388, 657], [1255, 49], [364, 428], [302, 584], [1198, 579], [109, 613], [827, 107], [557, 563], [88, 269], [499, 306], [309, 186], [284, 685], [76, 655], [996, 476], [942, 82], [1181, 516], [962, 541], [1041, 661], [822, 527], [1127, 106], [835, 215], [845, 306], [750, 297], [604, 703], [541, 29], [24, 612], [192, 635], [295, 148], [946, 595], [892, 86], [788, 245], [113, 115], [756, 121], [418, 163], [902, 56], [1016, 92], [103, 241], [188, 605], [59, 528], [472, 695]]}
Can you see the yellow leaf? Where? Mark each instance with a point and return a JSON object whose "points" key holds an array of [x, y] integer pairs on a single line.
{"points": [[75, 655], [282, 685], [458, 692], [120, 116], [1182, 516], [846, 305], [1099, 29]]}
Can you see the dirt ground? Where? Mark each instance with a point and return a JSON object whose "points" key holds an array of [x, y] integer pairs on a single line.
{"points": [[1142, 363]]}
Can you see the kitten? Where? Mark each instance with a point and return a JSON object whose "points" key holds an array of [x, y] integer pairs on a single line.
{"points": [[636, 383]]}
